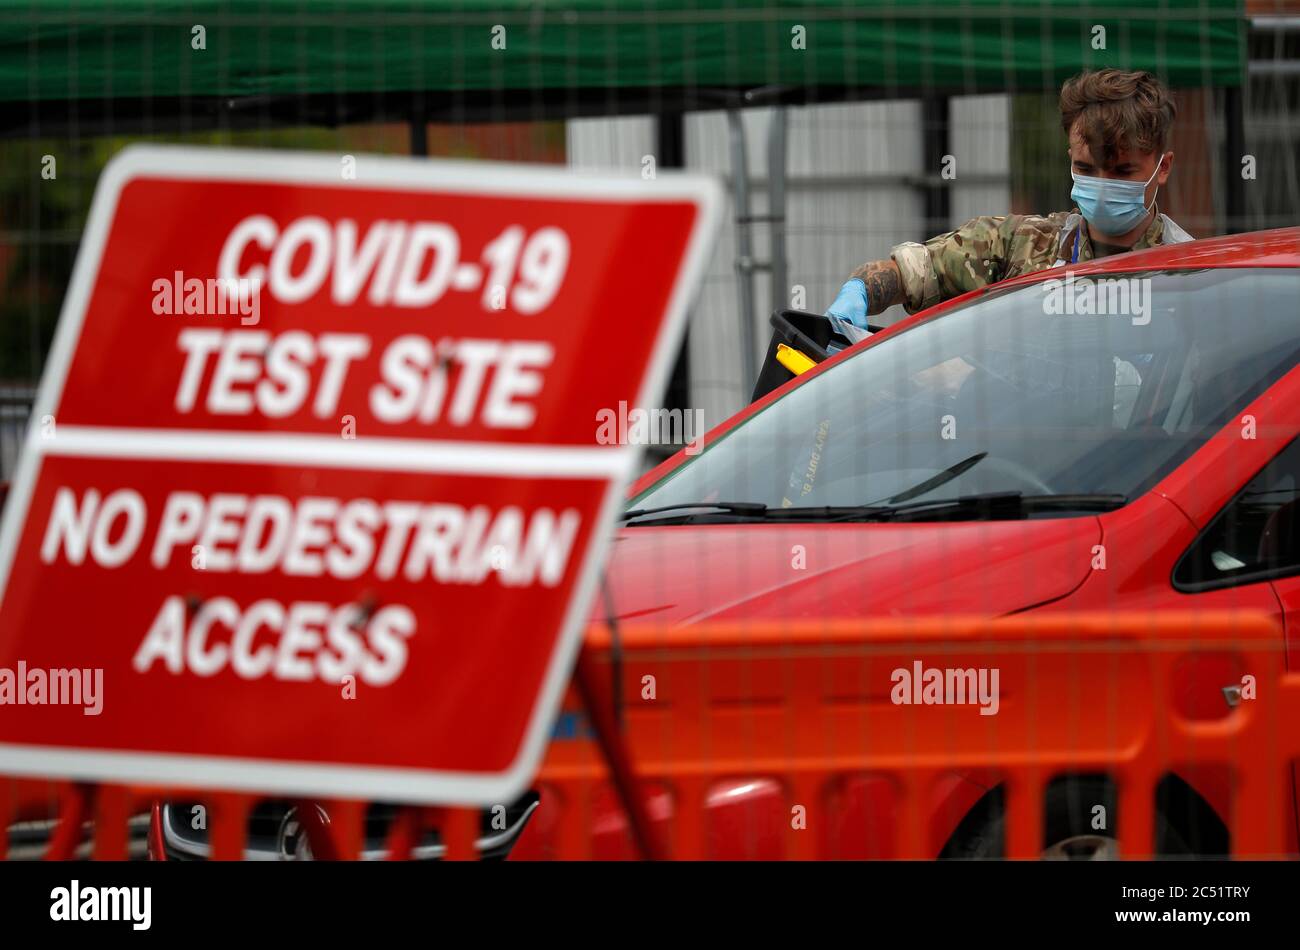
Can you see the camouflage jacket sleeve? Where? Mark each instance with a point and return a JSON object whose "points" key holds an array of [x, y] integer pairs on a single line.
{"points": [[949, 265]]}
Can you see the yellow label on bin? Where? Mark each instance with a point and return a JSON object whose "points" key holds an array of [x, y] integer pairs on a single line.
{"points": [[793, 360]]}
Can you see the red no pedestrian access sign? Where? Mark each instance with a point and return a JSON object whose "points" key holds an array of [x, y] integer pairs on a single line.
{"points": [[312, 500]]}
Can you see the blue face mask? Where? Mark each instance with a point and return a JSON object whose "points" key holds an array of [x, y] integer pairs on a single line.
{"points": [[1111, 205]]}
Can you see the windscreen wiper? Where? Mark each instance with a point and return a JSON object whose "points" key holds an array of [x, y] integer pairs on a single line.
{"points": [[995, 505], [758, 511], [992, 505], [736, 507], [934, 481], [740, 512]]}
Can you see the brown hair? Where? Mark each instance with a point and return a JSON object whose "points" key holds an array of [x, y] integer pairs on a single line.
{"points": [[1117, 111]]}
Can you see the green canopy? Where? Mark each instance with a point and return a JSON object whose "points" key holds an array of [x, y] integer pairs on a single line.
{"points": [[87, 50]]}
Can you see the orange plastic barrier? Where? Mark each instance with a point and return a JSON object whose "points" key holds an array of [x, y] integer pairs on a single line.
{"points": [[806, 709], [807, 714]]}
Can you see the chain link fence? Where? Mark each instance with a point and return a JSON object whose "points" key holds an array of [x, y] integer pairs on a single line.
{"points": [[840, 132]]}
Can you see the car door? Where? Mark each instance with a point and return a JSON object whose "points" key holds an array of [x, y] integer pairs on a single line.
{"points": [[1254, 540]]}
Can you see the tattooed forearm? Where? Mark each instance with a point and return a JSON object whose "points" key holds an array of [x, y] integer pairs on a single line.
{"points": [[884, 284]]}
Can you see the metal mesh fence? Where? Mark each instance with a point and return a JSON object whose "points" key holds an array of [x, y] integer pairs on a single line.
{"points": [[879, 124]]}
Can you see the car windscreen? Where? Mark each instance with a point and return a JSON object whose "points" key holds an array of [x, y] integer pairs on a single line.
{"points": [[1085, 386]]}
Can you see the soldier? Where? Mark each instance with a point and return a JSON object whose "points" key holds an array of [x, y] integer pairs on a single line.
{"points": [[1118, 127]]}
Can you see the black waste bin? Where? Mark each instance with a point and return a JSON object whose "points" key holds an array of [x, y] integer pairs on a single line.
{"points": [[812, 334]]}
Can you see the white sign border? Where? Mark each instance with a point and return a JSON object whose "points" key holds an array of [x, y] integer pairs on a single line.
{"points": [[484, 178]]}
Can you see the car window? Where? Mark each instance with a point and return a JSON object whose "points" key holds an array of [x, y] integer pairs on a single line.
{"points": [[1045, 402], [1255, 536]]}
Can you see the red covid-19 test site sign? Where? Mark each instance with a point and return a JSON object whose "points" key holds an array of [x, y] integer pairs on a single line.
{"points": [[313, 475]]}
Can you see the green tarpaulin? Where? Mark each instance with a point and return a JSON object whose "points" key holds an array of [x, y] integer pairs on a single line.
{"points": [[146, 49]]}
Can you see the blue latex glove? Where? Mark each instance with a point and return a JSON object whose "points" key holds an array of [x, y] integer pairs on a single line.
{"points": [[851, 304]]}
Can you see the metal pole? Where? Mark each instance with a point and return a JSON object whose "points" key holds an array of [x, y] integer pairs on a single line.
{"points": [[600, 709], [419, 134], [1234, 147], [670, 143], [776, 151], [935, 126], [744, 251]]}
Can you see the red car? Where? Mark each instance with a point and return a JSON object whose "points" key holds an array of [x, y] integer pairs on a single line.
{"points": [[981, 456]]}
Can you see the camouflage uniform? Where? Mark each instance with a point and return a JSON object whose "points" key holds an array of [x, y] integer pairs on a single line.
{"points": [[988, 249]]}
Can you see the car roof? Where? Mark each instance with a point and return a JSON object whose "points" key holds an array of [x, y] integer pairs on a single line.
{"points": [[1279, 247]]}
